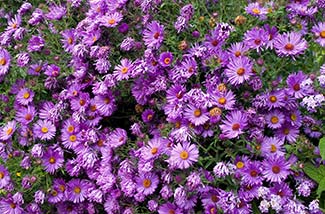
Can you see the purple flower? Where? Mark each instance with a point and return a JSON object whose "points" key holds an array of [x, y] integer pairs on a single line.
{"points": [[52, 70], [239, 70], [148, 115], [23, 59], [256, 10], [52, 160], [272, 146], [276, 168], [111, 20], [169, 208], [4, 61], [197, 116], [105, 104], [25, 96], [8, 130], [165, 59], [123, 28], [147, 183], [183, 155], [290, 44], [68, 39], [44, 130], [153, 35], [56, 12], [256, 38], [78, 190], [234, 124], [9, 206], [25, 115], [117, 138], [124, 70], [36, 43], [295, 83], [274, 119], [4, 177], [155, 147], [39, 197]]}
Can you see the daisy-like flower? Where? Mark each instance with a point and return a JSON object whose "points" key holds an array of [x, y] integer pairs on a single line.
{"points": [[68, 39], [275, 168], [44, 130], [14, 23], [124, 70], [153, 35], [252, 175], [290, 44], [105, 104], [9, 206], [147, 183], [225, 100], [295, 83], [238, 49], [8, 130], [272, 146], [275, 99], [148, 115], [175, 93], [52, 70], [4, 61], [235, 123], [78, 190], [25, 115], [36, 69], [165, 59], [111, 20], [288, 132], [319, 32], [256, 38], [197, 116], [117, 138], [256, 10], [183, 155], [155, 147], [239, 70], [25, 96], [169, 208], [4, 177], [36, 43], [52, 160], [274, 119]]}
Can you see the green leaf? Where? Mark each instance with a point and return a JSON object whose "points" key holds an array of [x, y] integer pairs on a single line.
{"points": [[321, 187], [314, 173], [322, 148]]}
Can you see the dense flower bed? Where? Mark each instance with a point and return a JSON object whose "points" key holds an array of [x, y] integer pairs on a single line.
{"points": [[162, 106]]}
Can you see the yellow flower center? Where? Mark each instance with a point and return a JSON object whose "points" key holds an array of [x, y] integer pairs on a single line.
{"points": [[293, 117], [197, 112], [77, 190], [44, 129], [184, 155], [154, 150], [273, 99], [14, 25], [215, 111], [3, 61], [70, 128], [222, 100], [54, 193], [124, 70], [241, 71], [73, 138], [273, 148], [146, 183], [62, 188], [177, 124], [167, 60], [111, 21], [212, 210], [256, 11], [149, 117], [322, 34], [240, 164], [26, 95], [274, 119], [70, 40], [9, 131], [2, 175], [222, 87], [52, 160]]}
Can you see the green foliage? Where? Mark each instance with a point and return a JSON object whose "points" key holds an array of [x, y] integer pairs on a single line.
{"points": [[322, 148]]}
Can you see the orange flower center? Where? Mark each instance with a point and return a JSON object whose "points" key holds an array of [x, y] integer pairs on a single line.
{"points": [[77, 190], [100, 143], [107, 100], [197, 112], [235, 126], [212, 210], [2, 175], [82, 102], [146, 183], [38, 69], [75, 93], [237, 53], [93, 108], [70, 128], [273, 148], [54, 193], [171, 212], [14, 25], [276, 169], [44, 129], [26, 95], [154, 150], [52, 160], [73, 138], [13, 205], [111, 21], [296, 87], [124, 70], [322, 34], [241, 71], [62, 188], [177, 124], [286, 131], [257, 41], [28, 117], [3, 61], [240, 164], [9, 131], [70, 40], [273, 99], [215, 111], [167, 60], [156, 35], [214, 198], [222, 101], [214, 43], [184, 155], [222, 87], [274, 119], [149, 117], [289, 47], [256, 11], [253, 173]]}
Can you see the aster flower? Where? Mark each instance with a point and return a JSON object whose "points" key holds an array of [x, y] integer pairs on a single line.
{"points": [[288, 132], [275, 168], [296, 87], [225, 100], [23, 59], [105, 104], [44, 130], [56, 12], [252, 174], [275, 99], [36, 69], [274, 119], [148, 115], [68, 39], [238, 49], [8, 206], [4, 61], [4, 177], [155, 147], [290, 44], [52, 160], [111, 20], [77, 190], [234, 124], [165, 59], [124, 70], [197, 116], [183, 155], [117, 138], [239, 70], [153, 35], [80, 103], [272, 146], [25, 115], [8, 130], [169, 208], [36, 43], [25, 96], [256, 38], [175, 93], [147, 183], [52, 70], [256, 10]]}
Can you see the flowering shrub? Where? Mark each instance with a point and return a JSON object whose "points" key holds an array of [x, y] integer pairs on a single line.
{"points": [[162, 106]]}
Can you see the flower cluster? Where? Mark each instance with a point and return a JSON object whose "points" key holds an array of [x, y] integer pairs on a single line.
{"points": [[147, 107]]}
